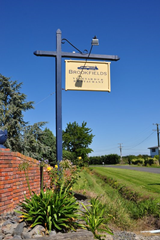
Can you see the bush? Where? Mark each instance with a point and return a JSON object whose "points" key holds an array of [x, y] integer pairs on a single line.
{"points": [[151, 161], [157, 157], [130, 158], [138, 161]]}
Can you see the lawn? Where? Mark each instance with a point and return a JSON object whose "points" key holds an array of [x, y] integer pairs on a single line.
{"points": [[146, 183]]}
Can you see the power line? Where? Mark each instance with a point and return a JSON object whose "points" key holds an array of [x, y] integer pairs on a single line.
{"points": [[140, 142], [44, 99], [137, 135], [105, 150]]}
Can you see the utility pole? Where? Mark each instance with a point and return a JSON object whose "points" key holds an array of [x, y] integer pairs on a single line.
{"points": [[120, 147], [157, 124]]}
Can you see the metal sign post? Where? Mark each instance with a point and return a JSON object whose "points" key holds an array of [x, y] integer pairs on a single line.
{"points": [[59, 55]]}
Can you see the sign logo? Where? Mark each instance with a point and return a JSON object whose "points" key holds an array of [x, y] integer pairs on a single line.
{"points": [[88, 68]]}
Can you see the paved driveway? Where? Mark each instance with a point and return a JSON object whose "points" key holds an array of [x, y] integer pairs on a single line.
{"points": [[142, 169]]}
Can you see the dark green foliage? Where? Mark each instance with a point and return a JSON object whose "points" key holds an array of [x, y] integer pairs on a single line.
{"points": [[142, 156], [22, 137], [95, 160], [76, 139], [31, 141], [113, 159], [49, 140], [106, 159], [68, 155], [12, 104]]}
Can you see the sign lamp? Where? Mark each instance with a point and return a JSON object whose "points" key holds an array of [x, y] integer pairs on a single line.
{"points": [[95, 41]]}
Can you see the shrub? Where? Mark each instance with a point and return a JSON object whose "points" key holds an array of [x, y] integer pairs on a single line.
{"points": [[138, 161], [67, 175], [151, 161], [157, 157]]}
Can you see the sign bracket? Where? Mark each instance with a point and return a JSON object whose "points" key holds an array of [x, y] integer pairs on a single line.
{"points": [[58, 54]]}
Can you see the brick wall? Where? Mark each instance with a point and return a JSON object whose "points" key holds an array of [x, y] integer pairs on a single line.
{"points": [[13, 184]]}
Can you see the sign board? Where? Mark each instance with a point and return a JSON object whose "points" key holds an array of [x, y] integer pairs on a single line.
{"points": [[87, 76]]}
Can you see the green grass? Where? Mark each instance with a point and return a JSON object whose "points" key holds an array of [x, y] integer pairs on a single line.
{"points": [[92, 186], [127, 215], [145, 183]]}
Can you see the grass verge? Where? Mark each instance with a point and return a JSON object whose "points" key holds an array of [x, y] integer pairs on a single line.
{"points": [[128, 214]]}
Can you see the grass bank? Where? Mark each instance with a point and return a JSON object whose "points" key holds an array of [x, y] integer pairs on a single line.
{"points": [[128, 214], [143, 182]]}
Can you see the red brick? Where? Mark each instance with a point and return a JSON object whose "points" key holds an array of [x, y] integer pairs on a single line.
{"points": [[5, 157], [2, 161], [4, 173], [6, 194], [4, 190], [13, 181], [8, 202], [7, 198], [3, 208], [2, 204]]}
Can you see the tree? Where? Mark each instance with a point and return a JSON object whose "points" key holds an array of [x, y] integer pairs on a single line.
{"points": [[12, 104], [22, 137], [49, 140], [32, 141], [76, 139], [68, 155]]}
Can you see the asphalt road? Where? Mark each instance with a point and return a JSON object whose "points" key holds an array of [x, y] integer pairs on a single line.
{"points": [[141, 169]]}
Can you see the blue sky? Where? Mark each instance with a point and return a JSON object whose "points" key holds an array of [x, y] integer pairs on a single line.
{"points": [[127, 28]]}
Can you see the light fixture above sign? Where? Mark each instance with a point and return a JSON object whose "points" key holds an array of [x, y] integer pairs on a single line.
{"points": [[95, 41]]}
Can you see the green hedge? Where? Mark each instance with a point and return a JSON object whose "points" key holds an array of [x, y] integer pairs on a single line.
{"points": [[145, 162], [106, 159]]}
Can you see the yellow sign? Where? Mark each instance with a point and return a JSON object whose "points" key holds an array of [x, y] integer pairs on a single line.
{"points": [[87, 76]]}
